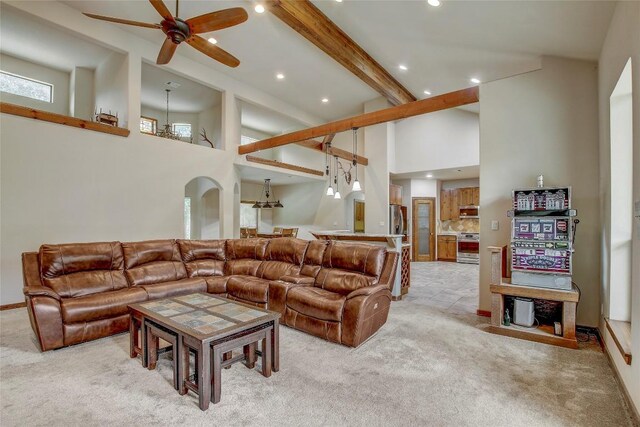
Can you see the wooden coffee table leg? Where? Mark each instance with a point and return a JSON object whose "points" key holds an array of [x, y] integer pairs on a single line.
{"points": [[177, 371], [275, 345], [266, 355], [216, 376], [133, 336], [250, 355], [152, 350], [184, 365], [204, 375], [143, 343], [227, 356]]}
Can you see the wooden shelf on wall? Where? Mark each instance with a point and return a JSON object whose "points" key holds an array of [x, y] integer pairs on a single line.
{"points": [[32, 113]]}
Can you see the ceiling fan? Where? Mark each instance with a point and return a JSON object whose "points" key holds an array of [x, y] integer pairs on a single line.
{"points": [[178, 30]]}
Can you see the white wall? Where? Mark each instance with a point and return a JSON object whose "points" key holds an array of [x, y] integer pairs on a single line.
{"points": [[59, 79], [440, 140], [543, 122], [205, 208], [622, 43], [61, 184], [81, 93], [211, 121], [111, 88]]}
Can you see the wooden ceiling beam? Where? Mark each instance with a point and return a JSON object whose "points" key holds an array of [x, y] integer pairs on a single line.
{"points": [[282, 165], [315, 26], [333, 151], [416, 108]]}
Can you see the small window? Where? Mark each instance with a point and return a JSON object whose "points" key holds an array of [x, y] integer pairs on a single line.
{"points": [[248, 215], [244, 140], [148, 125], [24, 86], [187, 217], [183, 130]]}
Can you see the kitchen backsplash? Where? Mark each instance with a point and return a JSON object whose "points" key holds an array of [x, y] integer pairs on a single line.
{"points": [[460, 225]]}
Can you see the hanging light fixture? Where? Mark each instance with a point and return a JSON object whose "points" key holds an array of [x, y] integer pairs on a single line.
{"points": [[337, 195], [356, 183], [167, 131], [266, 191], [328, 167]]}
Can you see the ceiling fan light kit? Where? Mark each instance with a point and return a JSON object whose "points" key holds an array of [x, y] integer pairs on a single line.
{"points": [[179, 30]]}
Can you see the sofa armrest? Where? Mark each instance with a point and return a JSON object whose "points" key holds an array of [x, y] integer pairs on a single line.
{"points": [[366, 291], [388, 274], [31, 277], [43, 305], [365, 311], [298, 279]]}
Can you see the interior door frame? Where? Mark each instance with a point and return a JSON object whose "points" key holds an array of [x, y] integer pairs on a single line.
{"points": [[414, 228]]}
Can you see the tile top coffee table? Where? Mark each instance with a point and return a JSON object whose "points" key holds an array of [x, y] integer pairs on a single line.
{"points": [[210, 326]]}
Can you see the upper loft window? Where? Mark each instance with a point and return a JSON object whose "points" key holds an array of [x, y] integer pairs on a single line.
{"points": [[183, 130], [24, 86], [244, 140], [148, 125]]}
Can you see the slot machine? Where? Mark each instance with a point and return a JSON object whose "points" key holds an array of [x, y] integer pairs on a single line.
{"points": [[542, 230]]}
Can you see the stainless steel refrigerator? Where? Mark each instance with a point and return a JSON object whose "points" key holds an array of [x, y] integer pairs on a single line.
{"points": [[396, 220]]}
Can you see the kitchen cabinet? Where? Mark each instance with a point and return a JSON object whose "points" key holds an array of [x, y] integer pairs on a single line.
{"points": [[449, 204], [476, 196], [395, 194], [466, 196], [447, 248]]}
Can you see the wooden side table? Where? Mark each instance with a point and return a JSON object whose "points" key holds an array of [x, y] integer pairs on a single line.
{"points": [[500, 288]]}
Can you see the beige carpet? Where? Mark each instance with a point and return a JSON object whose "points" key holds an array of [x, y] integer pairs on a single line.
{"points": [[425, 367]]}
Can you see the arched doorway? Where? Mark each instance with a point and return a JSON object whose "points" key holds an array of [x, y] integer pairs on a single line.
{"points": [[202, 197]]}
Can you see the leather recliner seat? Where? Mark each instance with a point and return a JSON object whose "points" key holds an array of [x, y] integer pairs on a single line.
{"points": [[80, 292]]}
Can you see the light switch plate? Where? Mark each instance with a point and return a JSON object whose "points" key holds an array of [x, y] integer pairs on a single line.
{"points": [[495, 224], [381, 223]]}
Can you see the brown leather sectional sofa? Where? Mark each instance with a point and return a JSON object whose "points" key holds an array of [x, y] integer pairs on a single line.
{"points": [[80, 292]]}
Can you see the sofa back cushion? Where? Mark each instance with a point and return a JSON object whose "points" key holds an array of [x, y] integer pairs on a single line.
{"points": [[244, 256], [77, 269], [313, 257], [203, 257], [284, 256], [152, 261], [350, 266]]}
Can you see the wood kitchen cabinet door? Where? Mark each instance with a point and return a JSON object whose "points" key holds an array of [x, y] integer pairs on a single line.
{"points": [[395, 194], [476, 196], [445, 205], [447, 248], [454, 212], [467, 196]]}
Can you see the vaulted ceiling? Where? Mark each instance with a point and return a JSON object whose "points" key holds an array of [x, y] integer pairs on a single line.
{"points": [[441, 47]]}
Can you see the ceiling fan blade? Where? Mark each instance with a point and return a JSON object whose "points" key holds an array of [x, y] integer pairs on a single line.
{"points": [[123, 21], [162, 10], [166, 52], [213, 51], [217, 20]]}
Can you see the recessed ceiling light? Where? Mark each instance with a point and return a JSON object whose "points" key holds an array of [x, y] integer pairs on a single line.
{"points": [[434, 3], [339, 1], [212, 40], [429, 175], [259, 8], [403, 67], [325, 100], [280, 76], [174, 85], [426, 92], [475, 80]]}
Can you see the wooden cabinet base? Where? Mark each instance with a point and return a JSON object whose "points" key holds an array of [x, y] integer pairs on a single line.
{"points": [[534, 334]]}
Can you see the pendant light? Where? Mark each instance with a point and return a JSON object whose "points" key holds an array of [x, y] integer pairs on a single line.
{"points": [[328, 168], [356, 183], [266, 191], [335, 181]]}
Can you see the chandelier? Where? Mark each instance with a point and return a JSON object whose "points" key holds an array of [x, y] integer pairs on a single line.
{"points": [[346, 173], [266, 192], [167, 131]]}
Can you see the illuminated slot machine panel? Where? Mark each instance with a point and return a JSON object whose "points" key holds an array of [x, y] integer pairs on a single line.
{"points": [[541, 237]]}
